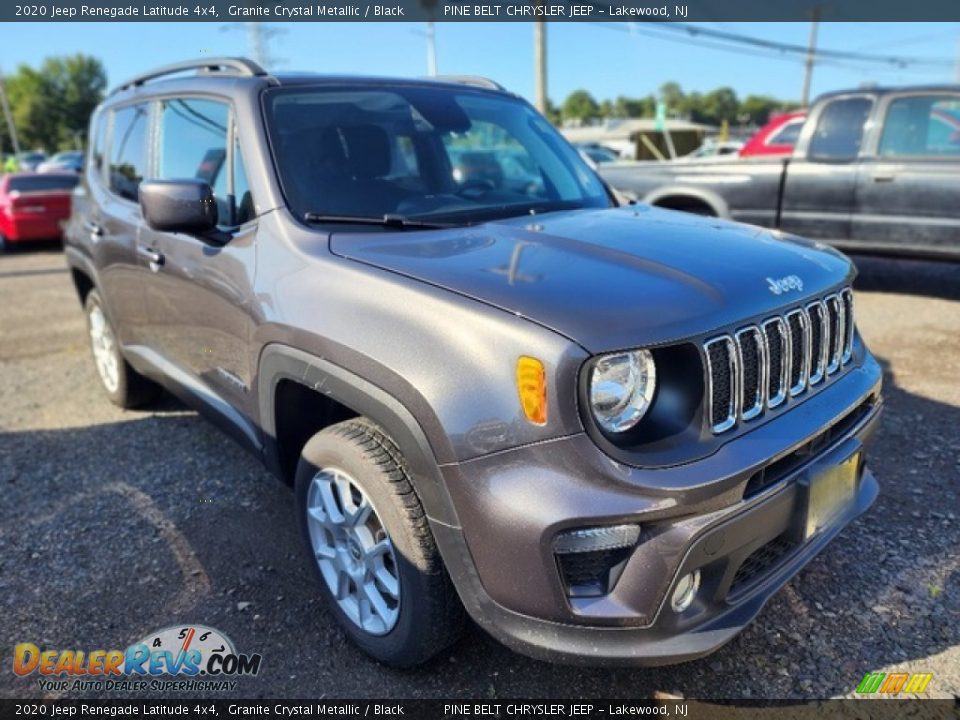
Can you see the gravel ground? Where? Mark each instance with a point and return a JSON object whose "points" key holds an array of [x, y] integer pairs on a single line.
{"points": [[118, 523]]}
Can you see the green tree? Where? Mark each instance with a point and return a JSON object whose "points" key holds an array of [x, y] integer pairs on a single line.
{"points": [[553, 113], [722, 104], [627, 107], [580, 105], [51, 106], [672, 94], [759, 108]]}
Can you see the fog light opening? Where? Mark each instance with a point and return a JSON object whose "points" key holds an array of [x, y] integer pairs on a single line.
{"points": [[685, 591], [590, 560]]}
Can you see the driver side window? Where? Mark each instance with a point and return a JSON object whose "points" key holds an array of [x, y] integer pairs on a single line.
{"points": [[839, 131], [194, 142]]}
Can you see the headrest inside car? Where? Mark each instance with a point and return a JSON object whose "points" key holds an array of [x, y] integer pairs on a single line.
{"points": [[364, 150]]}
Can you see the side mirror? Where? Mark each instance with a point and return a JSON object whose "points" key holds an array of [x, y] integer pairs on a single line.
{"points": [[183, 206]]}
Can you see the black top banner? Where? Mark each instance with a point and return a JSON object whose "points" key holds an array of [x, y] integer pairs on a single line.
{"points": [[482, 11]]}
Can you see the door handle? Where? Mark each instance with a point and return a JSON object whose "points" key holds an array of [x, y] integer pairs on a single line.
{"points": [[883, 178], [153, 257], [96, 232]]}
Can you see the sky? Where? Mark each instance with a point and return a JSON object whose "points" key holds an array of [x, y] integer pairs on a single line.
{"points": [[604, 58]]}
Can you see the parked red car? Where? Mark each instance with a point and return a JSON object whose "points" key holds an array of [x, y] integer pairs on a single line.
{"points": [[777, 137], [32, 206]]}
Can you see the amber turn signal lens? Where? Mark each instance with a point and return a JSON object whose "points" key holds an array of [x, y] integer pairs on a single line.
{"points": [[532, 387]]}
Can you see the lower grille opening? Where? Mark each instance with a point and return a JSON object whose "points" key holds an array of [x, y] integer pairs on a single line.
{"points": [[776, 471], [592, 574], [760, 562]]}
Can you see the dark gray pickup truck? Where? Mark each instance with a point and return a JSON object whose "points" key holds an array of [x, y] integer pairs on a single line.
{"points": [[874, 170]]}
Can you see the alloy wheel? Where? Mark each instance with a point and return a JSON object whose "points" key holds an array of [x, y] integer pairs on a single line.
{"points": [[104, 349], [353, 551]]}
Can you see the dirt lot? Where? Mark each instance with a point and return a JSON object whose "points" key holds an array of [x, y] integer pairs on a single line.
{"points": [[118, 523]]}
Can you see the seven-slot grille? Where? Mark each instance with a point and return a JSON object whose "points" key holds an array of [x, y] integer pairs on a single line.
{"points": [[760, 366]]}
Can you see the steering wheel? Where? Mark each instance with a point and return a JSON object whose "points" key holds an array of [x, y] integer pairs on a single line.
{"points": [[475, 188]]}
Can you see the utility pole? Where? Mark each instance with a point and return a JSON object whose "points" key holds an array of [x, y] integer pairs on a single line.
{"points": [[6, 112], [258, 41], [540, 65], [957, 69], [431, 49], [811, 56]]}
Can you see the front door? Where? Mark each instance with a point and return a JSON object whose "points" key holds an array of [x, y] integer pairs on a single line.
{"points": [[821, 181], [198, 301]]}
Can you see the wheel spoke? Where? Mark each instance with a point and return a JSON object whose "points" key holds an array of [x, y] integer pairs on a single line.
{"points": [[390, 584], [343, 584], [377, 602], [325, 552], [364, 609], [334, 516], [380, 549], [361, 514]]}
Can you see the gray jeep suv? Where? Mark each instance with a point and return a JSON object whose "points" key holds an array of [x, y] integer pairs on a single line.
{"points": [[606, 433]]}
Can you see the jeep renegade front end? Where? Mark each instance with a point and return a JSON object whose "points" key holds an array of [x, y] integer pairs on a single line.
{"points": [[608, 433]]}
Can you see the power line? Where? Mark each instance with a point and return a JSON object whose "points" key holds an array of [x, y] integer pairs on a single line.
{"points": [[912, 40], [765, 48], [801, 49]]}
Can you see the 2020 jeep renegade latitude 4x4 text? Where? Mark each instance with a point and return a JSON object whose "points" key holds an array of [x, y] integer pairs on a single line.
{"points": [[607, 434]]}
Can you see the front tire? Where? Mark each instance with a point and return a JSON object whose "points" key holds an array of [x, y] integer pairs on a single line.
{"points": [[380, 571], [123, 385]]}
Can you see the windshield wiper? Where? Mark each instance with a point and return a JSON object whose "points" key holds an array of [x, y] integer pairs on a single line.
{"points": [[388, 220]]}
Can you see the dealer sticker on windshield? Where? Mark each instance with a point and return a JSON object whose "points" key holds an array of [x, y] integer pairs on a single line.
{"points": [[830, 491]]}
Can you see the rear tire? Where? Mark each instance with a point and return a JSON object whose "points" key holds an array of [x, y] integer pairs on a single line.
{"points": [[123, 385], [379, 569]]}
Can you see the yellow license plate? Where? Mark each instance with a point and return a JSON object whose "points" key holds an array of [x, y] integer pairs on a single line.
{"points": [[830, 492]]}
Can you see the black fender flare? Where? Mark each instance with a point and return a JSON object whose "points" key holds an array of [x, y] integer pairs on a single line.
{"points": [[280, 362]]}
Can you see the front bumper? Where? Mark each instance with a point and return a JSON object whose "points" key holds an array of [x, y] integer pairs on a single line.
{"points": [[711, 515]]}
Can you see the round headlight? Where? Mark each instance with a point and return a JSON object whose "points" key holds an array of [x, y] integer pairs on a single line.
{"points": [[621, 389]]}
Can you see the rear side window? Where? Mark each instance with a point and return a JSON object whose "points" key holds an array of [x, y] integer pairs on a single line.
{"points": [[839, 130], [788, 134], [923, 125], [194, 137], [128, 155], [42, 183]]}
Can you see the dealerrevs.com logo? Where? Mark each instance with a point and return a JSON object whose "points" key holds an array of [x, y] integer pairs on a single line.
{"points": [[188, 658]]}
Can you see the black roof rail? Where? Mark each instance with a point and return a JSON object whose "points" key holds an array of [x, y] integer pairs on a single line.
{"points": [[238, 65], [474, 80]]}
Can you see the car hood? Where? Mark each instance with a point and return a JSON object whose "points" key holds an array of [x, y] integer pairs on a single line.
{"points": [[614, 278]]}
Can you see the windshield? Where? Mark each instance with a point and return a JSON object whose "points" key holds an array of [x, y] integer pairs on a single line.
{"points": [[420, 152]]}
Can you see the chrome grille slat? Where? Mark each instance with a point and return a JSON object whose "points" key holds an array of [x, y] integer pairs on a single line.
{"points": [[777, 343], [798, 326], [723, 387], [817, 316], [846, 297], [761, 366], [835, 332], [752, 357]]}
